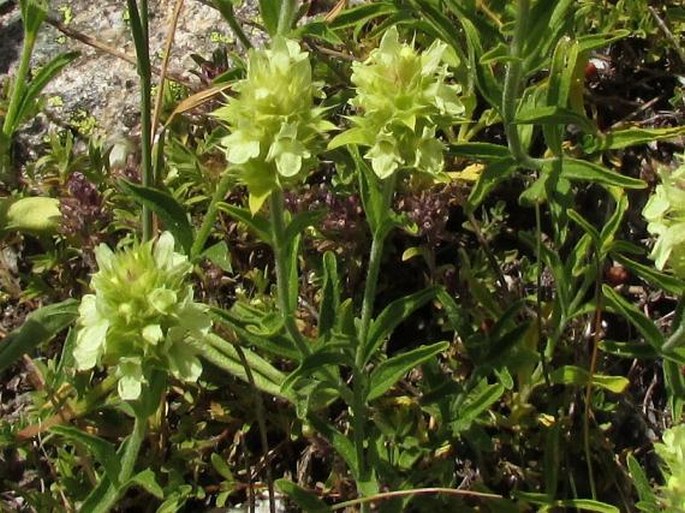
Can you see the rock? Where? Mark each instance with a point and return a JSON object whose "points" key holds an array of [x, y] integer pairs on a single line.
{"points": [[98, 93]]}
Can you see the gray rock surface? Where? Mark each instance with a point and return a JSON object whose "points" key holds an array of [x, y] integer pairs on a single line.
{"points": [[100, 91]]}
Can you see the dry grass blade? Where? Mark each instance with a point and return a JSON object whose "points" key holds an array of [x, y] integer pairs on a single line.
{"points": [[196, 100]]}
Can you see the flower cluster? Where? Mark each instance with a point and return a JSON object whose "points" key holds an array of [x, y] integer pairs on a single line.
{"points": [[402, 96], [665, 215], [672, 452], [275, 127], [141, 316]]}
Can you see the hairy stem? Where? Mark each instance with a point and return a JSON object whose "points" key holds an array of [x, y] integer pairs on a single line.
{"points": [[360, 380], [281, 254]]}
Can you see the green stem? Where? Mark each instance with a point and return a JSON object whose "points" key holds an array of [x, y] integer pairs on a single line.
{"points": [[227, 11], [19, 85], [360, 379], [281, 254], [512, 88], [374, 264], [210, 216]]}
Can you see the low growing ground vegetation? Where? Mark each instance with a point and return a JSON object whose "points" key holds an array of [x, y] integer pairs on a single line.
{"points": [[410, 255]]}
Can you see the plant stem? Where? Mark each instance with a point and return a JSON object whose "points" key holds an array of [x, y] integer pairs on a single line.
{"points": [[512, 88], [281, 249], [360, 380], [261, 422], [210, 216], [597, 328], [10, 122]]}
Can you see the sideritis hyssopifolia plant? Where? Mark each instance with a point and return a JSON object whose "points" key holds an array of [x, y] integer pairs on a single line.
{"points": [[140, 316]]}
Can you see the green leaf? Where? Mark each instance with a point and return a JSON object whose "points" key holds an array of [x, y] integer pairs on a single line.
{"points": [[330, 295], [574, 169], [224, 355], [40, 326], [391, 370], [313, 363], [478, 150], [306, 500], [594, 41], [619, 139], [643, 324], [103, 451], [218, 254], [170, 211], [493, 174], [572, 375], [629, 349], [270, 11], [249, 324], [359, 15], [664, 281], [586, 226], [587, 505], [553, 115], [340, 442], [260, 225], [301, 222], [391, 316], [478, 401], [353, 136], [44, 75], [221, 466], [148, 482], [641, 483]]}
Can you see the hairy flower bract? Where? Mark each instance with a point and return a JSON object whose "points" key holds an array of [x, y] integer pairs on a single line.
{"points": [[275, 126], [665, 215], [141, 316], [403, 97], [672, 452]]}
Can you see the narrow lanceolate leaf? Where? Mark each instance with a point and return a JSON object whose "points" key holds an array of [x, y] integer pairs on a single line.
{"points": [[572, 375], [574, 169], [392, 315], [619, 139], [170, 211], [391, 371], [39, 327], [493, 174], [330, 294], [306, 500], [478, 401], [257, 223], [222, 354], [342, 444], [148, 482], [644, 325], [42, 78], [103, 451]]}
